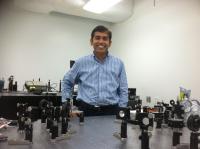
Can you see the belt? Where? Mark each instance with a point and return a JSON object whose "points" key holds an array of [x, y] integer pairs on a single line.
{"points": [[91, 110], [85, 105]]}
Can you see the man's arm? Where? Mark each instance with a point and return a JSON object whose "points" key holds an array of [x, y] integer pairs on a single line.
{"points": [[68, 81], [123, 88]]}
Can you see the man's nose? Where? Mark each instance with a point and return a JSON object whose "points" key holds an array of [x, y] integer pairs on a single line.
{"points": [[101, 40]]}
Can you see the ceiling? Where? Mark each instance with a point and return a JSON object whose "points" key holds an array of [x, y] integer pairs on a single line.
{"points": [[118, 13]]}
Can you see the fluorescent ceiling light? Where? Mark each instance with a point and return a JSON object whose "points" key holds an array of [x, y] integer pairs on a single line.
{"points": [[99, 6]]}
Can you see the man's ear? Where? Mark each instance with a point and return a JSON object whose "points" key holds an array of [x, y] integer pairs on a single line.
{"points": [[110, 43]]}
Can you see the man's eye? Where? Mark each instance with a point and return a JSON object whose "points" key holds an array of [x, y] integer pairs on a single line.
{"points": [[105, 38], [97, 38]]}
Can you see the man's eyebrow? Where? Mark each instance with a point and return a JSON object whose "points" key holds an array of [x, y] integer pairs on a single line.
{"points": [[101, 36]]}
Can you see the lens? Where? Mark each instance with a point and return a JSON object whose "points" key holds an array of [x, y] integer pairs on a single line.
{"points": [[121, 114]]}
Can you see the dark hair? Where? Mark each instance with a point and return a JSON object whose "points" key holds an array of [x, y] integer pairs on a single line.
{"points": [[101, 28]]}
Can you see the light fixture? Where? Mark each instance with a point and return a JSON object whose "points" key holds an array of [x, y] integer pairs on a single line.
{"points": [[99, 6]]}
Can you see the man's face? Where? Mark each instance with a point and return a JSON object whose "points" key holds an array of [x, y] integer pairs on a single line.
{"points": [[100, 42]]}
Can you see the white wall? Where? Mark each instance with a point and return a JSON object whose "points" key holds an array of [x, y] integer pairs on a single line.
{"points": [[160, 47], [36, 46]]}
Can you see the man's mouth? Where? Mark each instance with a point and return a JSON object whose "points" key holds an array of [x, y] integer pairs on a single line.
{"points": [[100, 47]]}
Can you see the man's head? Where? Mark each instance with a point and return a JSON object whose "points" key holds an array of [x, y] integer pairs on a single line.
{"points": [[101, 39], [101, 29]]}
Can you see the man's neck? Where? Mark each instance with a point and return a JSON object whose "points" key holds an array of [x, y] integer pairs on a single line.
{"points": [[100, 56]]}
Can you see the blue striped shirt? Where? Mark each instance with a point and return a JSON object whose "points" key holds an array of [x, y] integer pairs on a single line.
{"points": [[99, 83]]}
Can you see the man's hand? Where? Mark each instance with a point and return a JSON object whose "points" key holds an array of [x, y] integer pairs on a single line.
{"points": [[75, 113]]}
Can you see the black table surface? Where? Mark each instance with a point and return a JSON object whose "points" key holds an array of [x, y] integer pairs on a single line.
{"points": [[9, 100], [96, 133], [24, 93]]}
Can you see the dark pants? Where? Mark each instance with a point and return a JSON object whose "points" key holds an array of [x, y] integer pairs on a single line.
{"points": [[90, 110]]}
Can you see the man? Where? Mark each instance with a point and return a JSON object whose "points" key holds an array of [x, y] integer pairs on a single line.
{"points": [[101, 78]]}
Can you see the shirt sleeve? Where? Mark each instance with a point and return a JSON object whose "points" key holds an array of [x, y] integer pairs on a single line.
{"points": [[69, 80], [123, 88]]}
